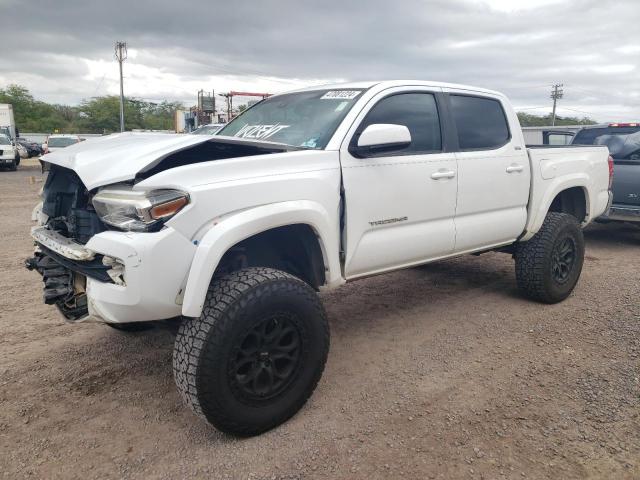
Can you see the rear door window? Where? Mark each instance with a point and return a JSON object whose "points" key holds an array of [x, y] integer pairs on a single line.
{"points": [[480, 121]]}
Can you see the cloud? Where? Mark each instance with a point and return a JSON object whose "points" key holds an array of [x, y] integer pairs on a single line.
{"points": [[64, 53]]}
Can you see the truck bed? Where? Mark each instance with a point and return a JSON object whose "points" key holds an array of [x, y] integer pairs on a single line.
{"points": [[554, 166]]}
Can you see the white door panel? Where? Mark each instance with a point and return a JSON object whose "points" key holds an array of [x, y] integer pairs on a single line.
{"points": [[488, 228], [493, 193], [396, 213], [400, 206], [493, 181]]}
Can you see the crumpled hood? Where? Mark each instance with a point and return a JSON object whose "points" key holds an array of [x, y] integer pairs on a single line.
{"points": [[119, 157]]}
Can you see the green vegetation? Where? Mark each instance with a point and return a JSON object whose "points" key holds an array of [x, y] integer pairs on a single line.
{"points": [[96, 115], [528, 120]]}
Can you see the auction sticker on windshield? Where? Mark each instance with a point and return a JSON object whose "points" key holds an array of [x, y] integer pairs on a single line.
{"points": [[340, 95], [259, 131]]}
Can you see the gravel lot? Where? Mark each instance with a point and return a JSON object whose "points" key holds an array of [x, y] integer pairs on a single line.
{"points": [[442, 371]]}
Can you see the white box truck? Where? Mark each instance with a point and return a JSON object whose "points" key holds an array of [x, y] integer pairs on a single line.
{"points": [[7, 122]]}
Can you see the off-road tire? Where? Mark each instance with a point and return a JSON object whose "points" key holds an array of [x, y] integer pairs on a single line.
{"points": [[535, 259], [206, 352], [18, 158]]}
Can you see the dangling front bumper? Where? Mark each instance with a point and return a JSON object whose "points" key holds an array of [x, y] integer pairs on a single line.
{"points": [[117, 277]]}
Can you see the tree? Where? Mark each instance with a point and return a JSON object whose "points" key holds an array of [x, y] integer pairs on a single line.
{"points": [[529, 120], [33, 115], [95, 115]]}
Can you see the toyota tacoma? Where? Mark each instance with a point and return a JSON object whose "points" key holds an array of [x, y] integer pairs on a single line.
{"points": [[234, 234]]}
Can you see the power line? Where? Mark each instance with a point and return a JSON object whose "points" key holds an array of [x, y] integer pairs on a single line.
{"points": [[574, 110], [531, 108], [99, 85], [527, 87], [607, 94]]}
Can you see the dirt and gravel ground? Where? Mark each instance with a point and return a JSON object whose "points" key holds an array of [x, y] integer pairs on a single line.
{"points": [[436, 372]]}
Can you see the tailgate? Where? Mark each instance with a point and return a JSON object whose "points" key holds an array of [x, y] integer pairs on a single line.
{"points": [[626, 183]]}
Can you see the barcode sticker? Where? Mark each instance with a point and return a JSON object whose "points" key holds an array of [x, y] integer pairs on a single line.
{"points": [[340, 95]]}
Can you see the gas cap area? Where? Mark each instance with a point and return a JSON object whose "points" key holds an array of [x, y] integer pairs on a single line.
{"points": [[548, 169]]}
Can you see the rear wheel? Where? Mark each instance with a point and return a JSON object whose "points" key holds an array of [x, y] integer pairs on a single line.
{"points": [[255, 355], [548, 266]]}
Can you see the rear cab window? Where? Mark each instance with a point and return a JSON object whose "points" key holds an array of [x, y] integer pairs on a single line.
{"points": [[480, 122], [557, 138]]}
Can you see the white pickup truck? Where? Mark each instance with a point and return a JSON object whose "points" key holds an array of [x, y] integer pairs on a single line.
{"points": [[233, 234]]}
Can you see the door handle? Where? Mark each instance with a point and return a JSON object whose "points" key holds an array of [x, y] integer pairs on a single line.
{"points": [[514, 168], [443, 174]]}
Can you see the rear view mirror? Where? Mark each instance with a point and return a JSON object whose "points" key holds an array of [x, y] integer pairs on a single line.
{"points": [[381, 138]]}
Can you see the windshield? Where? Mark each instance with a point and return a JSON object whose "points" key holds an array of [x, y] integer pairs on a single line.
{"points": [[61, 141], [207, 130], [623, 142], [303, 119], [4, 140]]}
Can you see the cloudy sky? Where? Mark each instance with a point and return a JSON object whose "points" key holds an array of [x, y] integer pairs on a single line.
{"points": [[63, 51]]}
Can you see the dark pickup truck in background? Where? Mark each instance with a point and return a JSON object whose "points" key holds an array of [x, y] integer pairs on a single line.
{"points": [[623, 140]]}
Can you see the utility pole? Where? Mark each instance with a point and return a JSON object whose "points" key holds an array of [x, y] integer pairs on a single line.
{"points": [[229, 98], [121, 56], [556, 93]]}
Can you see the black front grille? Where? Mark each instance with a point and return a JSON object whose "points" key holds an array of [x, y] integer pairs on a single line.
{"points": [[67, 203]]}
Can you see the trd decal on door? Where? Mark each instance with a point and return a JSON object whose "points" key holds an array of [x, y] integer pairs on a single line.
{"points": [[387, 221]]}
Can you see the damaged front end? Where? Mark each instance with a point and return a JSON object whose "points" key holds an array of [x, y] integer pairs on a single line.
{"points": [[67, 221], [63, 287], [96, 224]]}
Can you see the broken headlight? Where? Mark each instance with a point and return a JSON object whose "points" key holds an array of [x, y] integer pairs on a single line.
{"points": [[137, 211]]}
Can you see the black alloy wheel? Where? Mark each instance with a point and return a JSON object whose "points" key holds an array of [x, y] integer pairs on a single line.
{"points": [[267, 359], [563, 259]]}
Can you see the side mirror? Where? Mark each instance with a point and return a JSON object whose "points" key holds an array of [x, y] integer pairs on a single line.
{"points": [[381, 138]]}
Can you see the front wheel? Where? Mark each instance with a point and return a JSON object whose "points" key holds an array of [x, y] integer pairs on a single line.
{"points": [[549, 264], [257, 352]]}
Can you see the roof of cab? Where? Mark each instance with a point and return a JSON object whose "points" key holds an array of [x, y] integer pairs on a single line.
{"points": [[382, 84]]}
